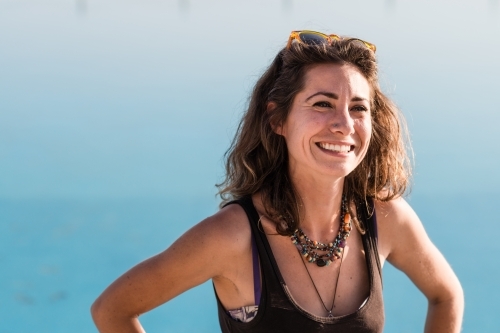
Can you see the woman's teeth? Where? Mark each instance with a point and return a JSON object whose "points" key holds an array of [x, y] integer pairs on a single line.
{"points": [[335, 148]]}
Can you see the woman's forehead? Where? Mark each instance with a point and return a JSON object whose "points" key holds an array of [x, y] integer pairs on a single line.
{"points": [[336, 79]]}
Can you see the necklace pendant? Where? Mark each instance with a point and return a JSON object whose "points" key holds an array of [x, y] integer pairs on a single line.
{"points": [[330, 314], [321, 262]]}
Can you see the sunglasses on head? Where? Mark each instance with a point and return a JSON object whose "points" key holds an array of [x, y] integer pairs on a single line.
{"points": [[310, 37]]}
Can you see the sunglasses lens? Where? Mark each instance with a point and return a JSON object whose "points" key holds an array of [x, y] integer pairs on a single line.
{"points": [[312, 38]]}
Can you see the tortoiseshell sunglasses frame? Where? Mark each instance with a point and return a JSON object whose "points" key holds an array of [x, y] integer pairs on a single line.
{"points": [[295, 36]]}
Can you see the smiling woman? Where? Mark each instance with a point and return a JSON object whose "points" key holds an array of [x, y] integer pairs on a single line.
{"points": [[311, 210]]}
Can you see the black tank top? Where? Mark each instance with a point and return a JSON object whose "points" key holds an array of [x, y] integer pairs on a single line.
{"points": [[278, 312]]}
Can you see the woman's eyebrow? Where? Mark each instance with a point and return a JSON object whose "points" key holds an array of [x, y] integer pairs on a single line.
{"points": [[335, 96], [359, 99], [324, 93]]}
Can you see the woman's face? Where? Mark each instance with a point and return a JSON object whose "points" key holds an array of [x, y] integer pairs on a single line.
{"points": [[329, 126]]}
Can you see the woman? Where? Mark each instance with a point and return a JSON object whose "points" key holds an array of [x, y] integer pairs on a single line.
{"points": [[312, 209]]}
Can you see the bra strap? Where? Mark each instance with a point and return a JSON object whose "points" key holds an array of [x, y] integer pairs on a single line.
{"points": [[257, 289]]}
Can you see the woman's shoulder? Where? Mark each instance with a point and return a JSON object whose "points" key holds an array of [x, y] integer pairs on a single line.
{"points": [[229, 227], [396, 220], [393, 211], [222, 240]]}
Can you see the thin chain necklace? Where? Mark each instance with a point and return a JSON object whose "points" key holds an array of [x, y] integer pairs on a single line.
{"points": [[330, 314], [307, 248]]}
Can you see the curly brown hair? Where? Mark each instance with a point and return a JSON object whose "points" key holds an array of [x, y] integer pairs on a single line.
{"points": [[257, 160]]}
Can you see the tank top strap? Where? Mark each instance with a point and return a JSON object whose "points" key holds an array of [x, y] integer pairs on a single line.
{"points": [[263, 247], [368, 216]]}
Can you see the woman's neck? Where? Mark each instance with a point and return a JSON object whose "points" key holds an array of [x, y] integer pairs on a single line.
{"points": [[321, 200]]}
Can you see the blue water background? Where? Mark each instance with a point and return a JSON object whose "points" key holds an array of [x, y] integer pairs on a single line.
{"points": [[115, 115]]}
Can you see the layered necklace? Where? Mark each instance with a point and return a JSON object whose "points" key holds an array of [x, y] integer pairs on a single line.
{"points": [[331, 251]]}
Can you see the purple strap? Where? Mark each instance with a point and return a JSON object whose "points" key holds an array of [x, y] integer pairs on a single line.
{"points": [[375, 227], [256, 272]]}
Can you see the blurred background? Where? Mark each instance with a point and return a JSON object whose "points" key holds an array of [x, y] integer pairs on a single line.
{"points": [[115, 115]]}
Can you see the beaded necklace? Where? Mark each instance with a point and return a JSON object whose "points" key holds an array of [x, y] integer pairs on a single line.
{"points": [[334, 250]]}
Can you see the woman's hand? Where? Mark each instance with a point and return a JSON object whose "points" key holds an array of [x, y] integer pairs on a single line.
{"points": [[405, 244]]}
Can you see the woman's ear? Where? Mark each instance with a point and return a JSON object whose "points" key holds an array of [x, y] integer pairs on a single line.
{"points": [[271, 106]]}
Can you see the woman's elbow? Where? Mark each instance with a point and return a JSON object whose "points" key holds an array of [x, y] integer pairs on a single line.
{"points": [[103, 313], [452, 294], [96, 311], [458, 293]]}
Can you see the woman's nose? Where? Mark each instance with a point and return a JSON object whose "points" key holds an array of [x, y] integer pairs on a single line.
{"points": [[342, 121]]}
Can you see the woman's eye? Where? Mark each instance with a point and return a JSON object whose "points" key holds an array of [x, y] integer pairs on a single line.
{"points": [[322, 105], [359, 108]]}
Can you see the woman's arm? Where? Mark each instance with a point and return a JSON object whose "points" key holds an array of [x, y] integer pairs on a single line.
{"points": [[200, 254], [405, 244]]}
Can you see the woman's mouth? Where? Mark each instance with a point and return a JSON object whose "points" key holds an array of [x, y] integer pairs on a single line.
{"points": [[335, 148]]}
